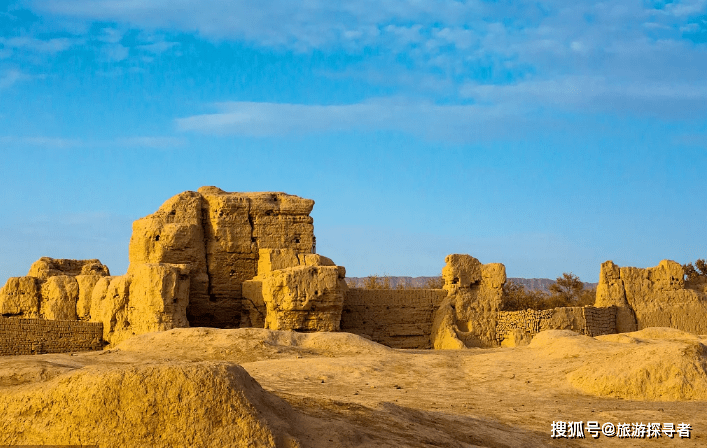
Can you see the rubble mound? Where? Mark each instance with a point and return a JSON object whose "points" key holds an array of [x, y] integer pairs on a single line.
{"points": [[175, 404], [654, 364], [249, 344]]}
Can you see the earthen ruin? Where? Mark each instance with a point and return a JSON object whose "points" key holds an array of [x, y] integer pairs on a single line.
{"points": [[227, 260]]}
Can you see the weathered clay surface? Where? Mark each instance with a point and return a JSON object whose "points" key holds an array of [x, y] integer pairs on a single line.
{"points": [[467, 317], [20, 297], [295, 292], [398, 318], [183, 387], [47, 267], [150, 297], [610, 291], [59, 296], [516, 328], [52, 289], [218, 234], [306, 298], [83, 304], [159, 295], [657, 297], [177, 404]]}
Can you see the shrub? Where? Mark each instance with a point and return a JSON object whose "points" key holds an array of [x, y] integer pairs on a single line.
{"points": [[568, 290], [696, 271]]}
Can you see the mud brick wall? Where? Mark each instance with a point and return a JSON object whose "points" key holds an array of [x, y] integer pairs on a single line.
{"points": [[529, 321], [600, 320], [393, 317], [37, 336], [589, 320]]}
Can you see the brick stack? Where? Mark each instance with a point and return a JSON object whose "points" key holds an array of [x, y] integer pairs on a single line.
{"points": [[37, 336], [600, 320]]}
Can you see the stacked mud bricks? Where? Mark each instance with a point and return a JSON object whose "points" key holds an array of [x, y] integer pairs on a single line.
{"points": [[588, 320], [529, 321], [396, 318], [37, 336], [600, 320]]}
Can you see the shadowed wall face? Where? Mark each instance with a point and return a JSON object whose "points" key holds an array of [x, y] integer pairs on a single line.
{"points": [[396, 318]]}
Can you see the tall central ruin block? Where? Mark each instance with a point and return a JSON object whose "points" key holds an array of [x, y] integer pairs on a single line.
{"points": [[218, 234]]}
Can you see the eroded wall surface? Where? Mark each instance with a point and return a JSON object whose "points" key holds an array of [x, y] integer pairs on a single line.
{"points": [[218, 235], [396, 318], [57, 289], [653, 297], [467, 316], [518, 327], [36, 336]]}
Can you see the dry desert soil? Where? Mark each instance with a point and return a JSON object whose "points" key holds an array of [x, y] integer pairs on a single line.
{"points": [[256, 387]]}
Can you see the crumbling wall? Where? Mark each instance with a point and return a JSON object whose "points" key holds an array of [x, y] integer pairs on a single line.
{"points": [[35, 336], [467, 316], [515, 328], [150, 297], [53, 289], [294, 291], [218, 234], [653, 297], [393, 317]]}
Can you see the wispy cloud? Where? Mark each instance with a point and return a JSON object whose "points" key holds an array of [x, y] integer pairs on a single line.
{"points": [[10, 77], [142, 142], [633, 56], [456, 123], [596, 94]]}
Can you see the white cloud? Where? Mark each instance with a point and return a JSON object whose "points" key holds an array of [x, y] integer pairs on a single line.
{"points": [[457, 123], [10, 77], [591, 94], [514, 55]]}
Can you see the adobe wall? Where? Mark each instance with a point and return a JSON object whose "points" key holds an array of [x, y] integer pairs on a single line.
{"points": [[218, 235], [518, 327], [37, 336], [393, 317], [653, 297], [467, 316]]}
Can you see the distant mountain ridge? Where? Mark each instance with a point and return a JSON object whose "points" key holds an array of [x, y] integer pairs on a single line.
{"points": [[541, 284]]}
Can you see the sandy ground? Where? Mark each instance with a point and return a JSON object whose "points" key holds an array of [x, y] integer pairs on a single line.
{"points": [[340, 390]]}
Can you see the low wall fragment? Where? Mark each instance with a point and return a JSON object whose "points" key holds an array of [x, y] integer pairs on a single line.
{"points": [[37, 336], [519, 327], [398, 318]]}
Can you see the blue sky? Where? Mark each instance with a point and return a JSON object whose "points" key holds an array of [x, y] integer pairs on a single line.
{"points": [[549, 136]]}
